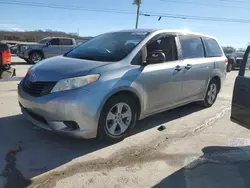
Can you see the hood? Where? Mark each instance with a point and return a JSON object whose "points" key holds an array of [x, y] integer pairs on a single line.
{"points": [[57, 68]]}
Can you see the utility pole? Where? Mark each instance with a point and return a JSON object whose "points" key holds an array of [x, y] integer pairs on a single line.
{"points": [[138, 3]]}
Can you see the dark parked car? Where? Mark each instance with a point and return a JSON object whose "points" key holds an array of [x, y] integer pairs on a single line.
{"points": [[13, 49], [234, 60]]}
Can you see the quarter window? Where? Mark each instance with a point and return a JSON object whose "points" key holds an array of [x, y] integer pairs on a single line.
{"points": [[66, 42], [192, 47], [212, 48]]}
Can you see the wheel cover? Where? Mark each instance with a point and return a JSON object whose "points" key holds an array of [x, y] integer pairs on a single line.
{"points": [[36, 58], [118, 119], [212, 92]]}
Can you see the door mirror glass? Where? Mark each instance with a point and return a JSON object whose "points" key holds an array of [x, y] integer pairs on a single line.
{"points": [[155, 57]]}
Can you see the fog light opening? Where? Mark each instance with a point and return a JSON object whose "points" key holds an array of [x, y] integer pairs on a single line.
{"points": [[71, 124]]}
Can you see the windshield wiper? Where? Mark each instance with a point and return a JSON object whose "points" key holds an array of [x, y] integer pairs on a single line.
{"points": [[86, 57]]}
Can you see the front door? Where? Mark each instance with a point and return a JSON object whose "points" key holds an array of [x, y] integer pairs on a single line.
{"points": [[163, 84], [240, 112], [53, 49], [162, 81]]}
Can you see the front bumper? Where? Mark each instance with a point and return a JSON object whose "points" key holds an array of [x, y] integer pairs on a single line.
{"points": [[51, 111]]}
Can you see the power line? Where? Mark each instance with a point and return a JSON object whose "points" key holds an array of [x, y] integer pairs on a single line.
{"points": [[153, 14], [235, 1], [205, 4], [178, 16], [33, 4]]}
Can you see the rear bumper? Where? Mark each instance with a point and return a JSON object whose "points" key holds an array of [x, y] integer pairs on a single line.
{"points": [[51, 111]]}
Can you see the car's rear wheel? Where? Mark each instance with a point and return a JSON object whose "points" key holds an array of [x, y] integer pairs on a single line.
{"points": [[211, 94], [117, 118], [229, 67], [35, 57]]}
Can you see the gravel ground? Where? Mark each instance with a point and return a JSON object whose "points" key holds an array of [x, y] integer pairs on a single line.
{"points": [[200, 147]]}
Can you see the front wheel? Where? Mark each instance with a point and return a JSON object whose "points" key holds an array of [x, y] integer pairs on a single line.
{"points": [[211, 94], [117, 118], [35, 57]]}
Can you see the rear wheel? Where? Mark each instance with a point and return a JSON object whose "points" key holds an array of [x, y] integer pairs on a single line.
{"points": [[117, 118], [35, 57], [229, 67], [211, 94]]}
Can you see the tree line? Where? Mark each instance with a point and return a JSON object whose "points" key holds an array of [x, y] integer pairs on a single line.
{"points": [[35, 36]]}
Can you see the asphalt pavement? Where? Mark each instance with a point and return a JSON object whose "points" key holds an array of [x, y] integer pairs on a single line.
{"points": [[200, 147]]}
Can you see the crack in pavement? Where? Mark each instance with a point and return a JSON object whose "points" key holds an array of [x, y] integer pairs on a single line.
{"points": [[11, 177], [128, 156]]}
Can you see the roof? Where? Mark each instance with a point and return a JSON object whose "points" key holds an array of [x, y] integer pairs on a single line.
{"points": [[184, 32]]}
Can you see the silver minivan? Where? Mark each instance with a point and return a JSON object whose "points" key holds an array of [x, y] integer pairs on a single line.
{"points": [[101, 88]]}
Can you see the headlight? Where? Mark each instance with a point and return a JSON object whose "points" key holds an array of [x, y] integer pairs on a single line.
{"points": [[76, 82], [25, 47]]}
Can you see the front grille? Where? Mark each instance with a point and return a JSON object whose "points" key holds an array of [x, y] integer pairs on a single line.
{"points": [[238, 61], [37, 89]]}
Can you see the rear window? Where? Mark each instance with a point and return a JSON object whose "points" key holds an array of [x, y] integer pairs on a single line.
{"points": [[192, 47], [212, 48]]}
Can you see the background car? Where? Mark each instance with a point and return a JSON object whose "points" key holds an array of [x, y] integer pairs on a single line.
{"points": [[45, 48]]}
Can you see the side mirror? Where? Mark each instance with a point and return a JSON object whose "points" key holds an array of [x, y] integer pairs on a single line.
{"points": [[155, 57], [48, 44]]}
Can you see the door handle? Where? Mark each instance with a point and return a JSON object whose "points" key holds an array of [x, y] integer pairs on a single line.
{"points": [[188, 66], [178, 68]]}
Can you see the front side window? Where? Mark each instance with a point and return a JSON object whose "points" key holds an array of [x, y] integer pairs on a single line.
{"points": [[166, 45], [108, 47], [44, 41], [212, 47], [66, 42], [192, 47], [54, 42]]}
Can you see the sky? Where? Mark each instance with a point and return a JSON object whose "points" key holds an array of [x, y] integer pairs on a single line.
{"points": [[91, 23]]}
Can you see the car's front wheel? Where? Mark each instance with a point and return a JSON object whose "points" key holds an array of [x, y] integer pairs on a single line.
{"points": [[35, 57], [117, 118]]}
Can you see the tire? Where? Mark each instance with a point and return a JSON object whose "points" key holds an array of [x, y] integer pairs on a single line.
{"points": [[209, 100], [110, 130], [229, 67], [35, 57], [233, 64]]}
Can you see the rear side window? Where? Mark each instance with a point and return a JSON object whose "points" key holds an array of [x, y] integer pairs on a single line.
{"points": [[212, 48], [192, 47], [66, 42]]}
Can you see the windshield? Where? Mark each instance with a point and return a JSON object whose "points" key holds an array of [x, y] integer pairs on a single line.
{"points": [[44, 41], [108, 47]]}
